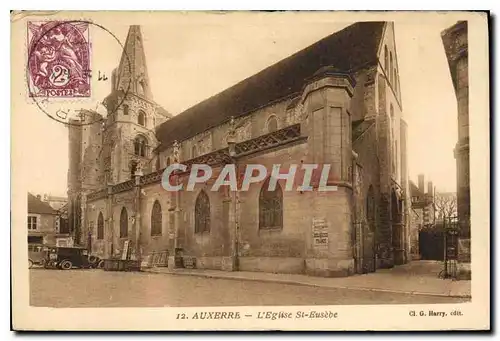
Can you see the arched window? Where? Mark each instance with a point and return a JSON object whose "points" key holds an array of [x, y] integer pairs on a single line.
{"points": [[202, 213], [100, 226], [270, 207], [168, 161], [391, 70], [370, 208], [140, 146], [123, 223], [386, 60], [125, 109], [156, 219], [272, 124], [194, 152], [141, 118]]}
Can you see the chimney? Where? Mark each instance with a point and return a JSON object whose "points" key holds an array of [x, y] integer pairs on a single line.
{"points": [[430, 188], [421, 185]]}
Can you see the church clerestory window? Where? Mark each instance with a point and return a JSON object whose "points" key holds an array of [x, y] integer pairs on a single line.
{"points": [[270, 207]]}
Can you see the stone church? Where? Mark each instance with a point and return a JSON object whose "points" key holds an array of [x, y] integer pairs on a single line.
{"points": [[335, 102]]}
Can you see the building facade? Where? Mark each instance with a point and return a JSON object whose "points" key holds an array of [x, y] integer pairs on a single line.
{"points": [[336, 102], [422, 213], [455, 41], [43, 222]]}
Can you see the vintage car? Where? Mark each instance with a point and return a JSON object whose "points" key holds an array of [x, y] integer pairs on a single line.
{"points": [[67, 258], [37, 254]]}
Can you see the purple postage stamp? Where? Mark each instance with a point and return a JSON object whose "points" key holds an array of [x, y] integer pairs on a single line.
{"points": [[58, 59]]}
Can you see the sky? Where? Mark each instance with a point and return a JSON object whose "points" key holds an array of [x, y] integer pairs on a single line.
{"points": [[190, 60]]}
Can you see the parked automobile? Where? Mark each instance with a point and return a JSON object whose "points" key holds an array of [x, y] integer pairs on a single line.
{"points": [[37, 254], [67, 258]]}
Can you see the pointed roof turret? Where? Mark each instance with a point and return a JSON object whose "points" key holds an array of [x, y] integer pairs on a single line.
{"points": [[132, 73]]}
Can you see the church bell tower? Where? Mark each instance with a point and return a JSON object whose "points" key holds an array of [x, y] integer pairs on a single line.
{"points": [[129, 136]]}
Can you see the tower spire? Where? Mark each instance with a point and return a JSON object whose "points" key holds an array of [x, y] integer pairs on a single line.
{"points": [[132, 73]]}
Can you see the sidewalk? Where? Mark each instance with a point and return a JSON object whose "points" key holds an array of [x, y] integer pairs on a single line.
{"points": [[416, 278]]}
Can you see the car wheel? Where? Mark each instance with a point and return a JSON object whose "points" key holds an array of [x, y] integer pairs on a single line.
{"points": [[93, 260], [66, 265], [30, 263], [100, 265]]}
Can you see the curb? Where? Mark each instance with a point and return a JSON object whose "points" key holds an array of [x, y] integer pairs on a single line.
{"points": [[299, 283]]}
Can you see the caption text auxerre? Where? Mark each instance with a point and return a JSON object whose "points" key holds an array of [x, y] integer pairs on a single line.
{"points": [[268, 315]]}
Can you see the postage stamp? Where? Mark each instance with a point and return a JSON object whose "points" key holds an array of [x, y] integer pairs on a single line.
{"points": [[58, 59]]}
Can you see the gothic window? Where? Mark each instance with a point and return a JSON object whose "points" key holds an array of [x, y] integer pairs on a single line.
{"points": [[386, 60], [141, 118], [370, 208], [270, 207], [100, 226], [123, 223], [156, 219], [168, 161], [202, 213], [272, 124], [390, 68], [125, 109], [140, 146], [194, 152]]}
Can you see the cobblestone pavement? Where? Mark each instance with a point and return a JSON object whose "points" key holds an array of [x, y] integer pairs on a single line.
{"points": [[98, 288]]}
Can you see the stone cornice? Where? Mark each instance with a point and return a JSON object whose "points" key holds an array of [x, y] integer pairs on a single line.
{"points": [[329, 80]]}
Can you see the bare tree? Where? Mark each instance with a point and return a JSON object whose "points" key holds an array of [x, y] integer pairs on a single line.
{"points": [[445, 205]]}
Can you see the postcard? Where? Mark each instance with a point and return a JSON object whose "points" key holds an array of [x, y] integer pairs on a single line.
{"points": [[250, 170]]}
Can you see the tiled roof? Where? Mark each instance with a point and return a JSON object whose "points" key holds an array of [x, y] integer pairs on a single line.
{"points": [[36, 205], [347, 50]]}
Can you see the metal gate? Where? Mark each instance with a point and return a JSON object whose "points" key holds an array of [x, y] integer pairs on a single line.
{"points": [[431, 243]]}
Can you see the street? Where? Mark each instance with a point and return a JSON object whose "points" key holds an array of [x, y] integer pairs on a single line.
{"points": [[98, 288]]}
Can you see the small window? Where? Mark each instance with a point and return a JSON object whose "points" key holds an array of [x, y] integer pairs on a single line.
{"points": [[141, 118], [194, 152], [168, 161], [32, 223], [272, 124], [125, 109]]}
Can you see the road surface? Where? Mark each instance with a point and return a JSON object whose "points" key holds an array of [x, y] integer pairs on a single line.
{"points": [[98, 288]]}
